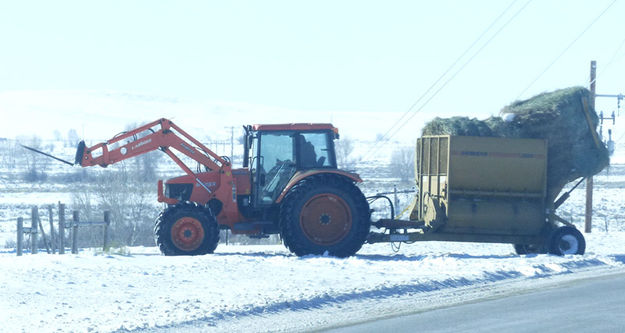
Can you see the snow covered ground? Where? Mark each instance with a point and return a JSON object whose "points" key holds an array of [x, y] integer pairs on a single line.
{"points": [[143, 290], [264, 288]]}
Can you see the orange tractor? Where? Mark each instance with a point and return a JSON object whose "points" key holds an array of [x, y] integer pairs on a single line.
{"points": [[289, 185]]}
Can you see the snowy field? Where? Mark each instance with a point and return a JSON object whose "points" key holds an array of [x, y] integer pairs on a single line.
{"points": [[265, 288], [92, 292]]}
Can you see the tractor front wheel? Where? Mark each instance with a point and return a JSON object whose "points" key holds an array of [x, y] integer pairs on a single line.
{"points": [[186, 230], [324, 213]]}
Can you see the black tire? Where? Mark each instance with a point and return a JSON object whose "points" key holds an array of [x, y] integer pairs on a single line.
{"points": [[529, 249], [186, 229], [324, 213], [567, 240]]}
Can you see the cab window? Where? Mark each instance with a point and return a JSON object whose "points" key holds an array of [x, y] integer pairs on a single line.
{"points": [[314, 151]]}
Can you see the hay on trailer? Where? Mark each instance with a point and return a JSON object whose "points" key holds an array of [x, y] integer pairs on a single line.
{"points": [[462, 126], [557, 116]]}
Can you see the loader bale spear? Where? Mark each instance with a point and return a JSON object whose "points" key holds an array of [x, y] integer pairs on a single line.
{"points": [[46, 154]]}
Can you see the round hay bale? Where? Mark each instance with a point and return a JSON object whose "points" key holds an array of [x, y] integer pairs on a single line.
{"points": [[559, 117]]}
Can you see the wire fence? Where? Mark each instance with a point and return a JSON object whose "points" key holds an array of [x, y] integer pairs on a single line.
{"points": [[54, 239]]}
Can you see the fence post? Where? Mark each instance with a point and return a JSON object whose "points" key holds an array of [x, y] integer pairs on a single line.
{"points": [[61, 228], [33, 231], [396, 200], [75, 232], [20, 235], [52, 238], [43, 232], [107, 222]]}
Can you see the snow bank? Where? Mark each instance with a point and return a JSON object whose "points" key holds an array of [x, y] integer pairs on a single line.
{"points": [[87, 292]]}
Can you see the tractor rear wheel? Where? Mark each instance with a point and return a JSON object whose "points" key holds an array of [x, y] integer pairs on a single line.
{"points": [[324, 213], [186, 229]]}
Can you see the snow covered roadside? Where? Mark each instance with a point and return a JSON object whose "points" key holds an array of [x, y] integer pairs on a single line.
{"points": [[102, 293]]}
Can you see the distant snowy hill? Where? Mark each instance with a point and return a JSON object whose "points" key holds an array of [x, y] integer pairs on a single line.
{"points": [[100, 115]]}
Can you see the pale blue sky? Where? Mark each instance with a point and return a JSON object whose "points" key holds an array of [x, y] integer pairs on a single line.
{"points": [[373, 56]]}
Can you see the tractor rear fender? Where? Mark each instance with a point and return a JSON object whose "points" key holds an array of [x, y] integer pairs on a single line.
{"points": [[305, 174]]}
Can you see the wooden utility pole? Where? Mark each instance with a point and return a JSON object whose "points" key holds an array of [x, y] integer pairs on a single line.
{"points": [[231, 128], [231, 144], [589, 181]]}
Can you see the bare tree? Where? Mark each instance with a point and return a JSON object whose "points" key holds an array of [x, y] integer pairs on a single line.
{"points": [[402, 163], [9, 154], [344, 150], [57, 135], [144, 166], [72, 138], [35, 164], [84, 200], [130, 202]]}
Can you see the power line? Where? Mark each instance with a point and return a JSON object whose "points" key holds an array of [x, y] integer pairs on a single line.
{"points": [[468, 61], [604, 68], [567, 48], [414, 113], [447, 71]]}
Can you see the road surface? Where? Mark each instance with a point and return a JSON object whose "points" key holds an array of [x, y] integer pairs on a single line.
{"points": [[591, 305]]}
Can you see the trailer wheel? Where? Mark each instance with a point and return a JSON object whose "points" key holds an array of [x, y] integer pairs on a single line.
{"points": [[186, 230], [324, 213], [529, 249], [567, 240]]}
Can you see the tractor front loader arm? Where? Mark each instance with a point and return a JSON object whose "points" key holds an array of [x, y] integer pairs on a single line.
{"points": [[163, 134]]}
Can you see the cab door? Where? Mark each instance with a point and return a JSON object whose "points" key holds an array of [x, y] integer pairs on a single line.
{"points": [[275, 165]]}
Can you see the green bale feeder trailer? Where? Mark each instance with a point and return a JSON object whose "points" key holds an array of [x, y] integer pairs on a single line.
{"points": [[484, 189]]}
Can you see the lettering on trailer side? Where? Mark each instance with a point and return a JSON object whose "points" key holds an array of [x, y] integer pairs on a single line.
{"points": [[497, 154]]}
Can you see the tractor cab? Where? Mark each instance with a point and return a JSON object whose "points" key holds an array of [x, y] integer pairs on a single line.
{"points": [[275, 153]]}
